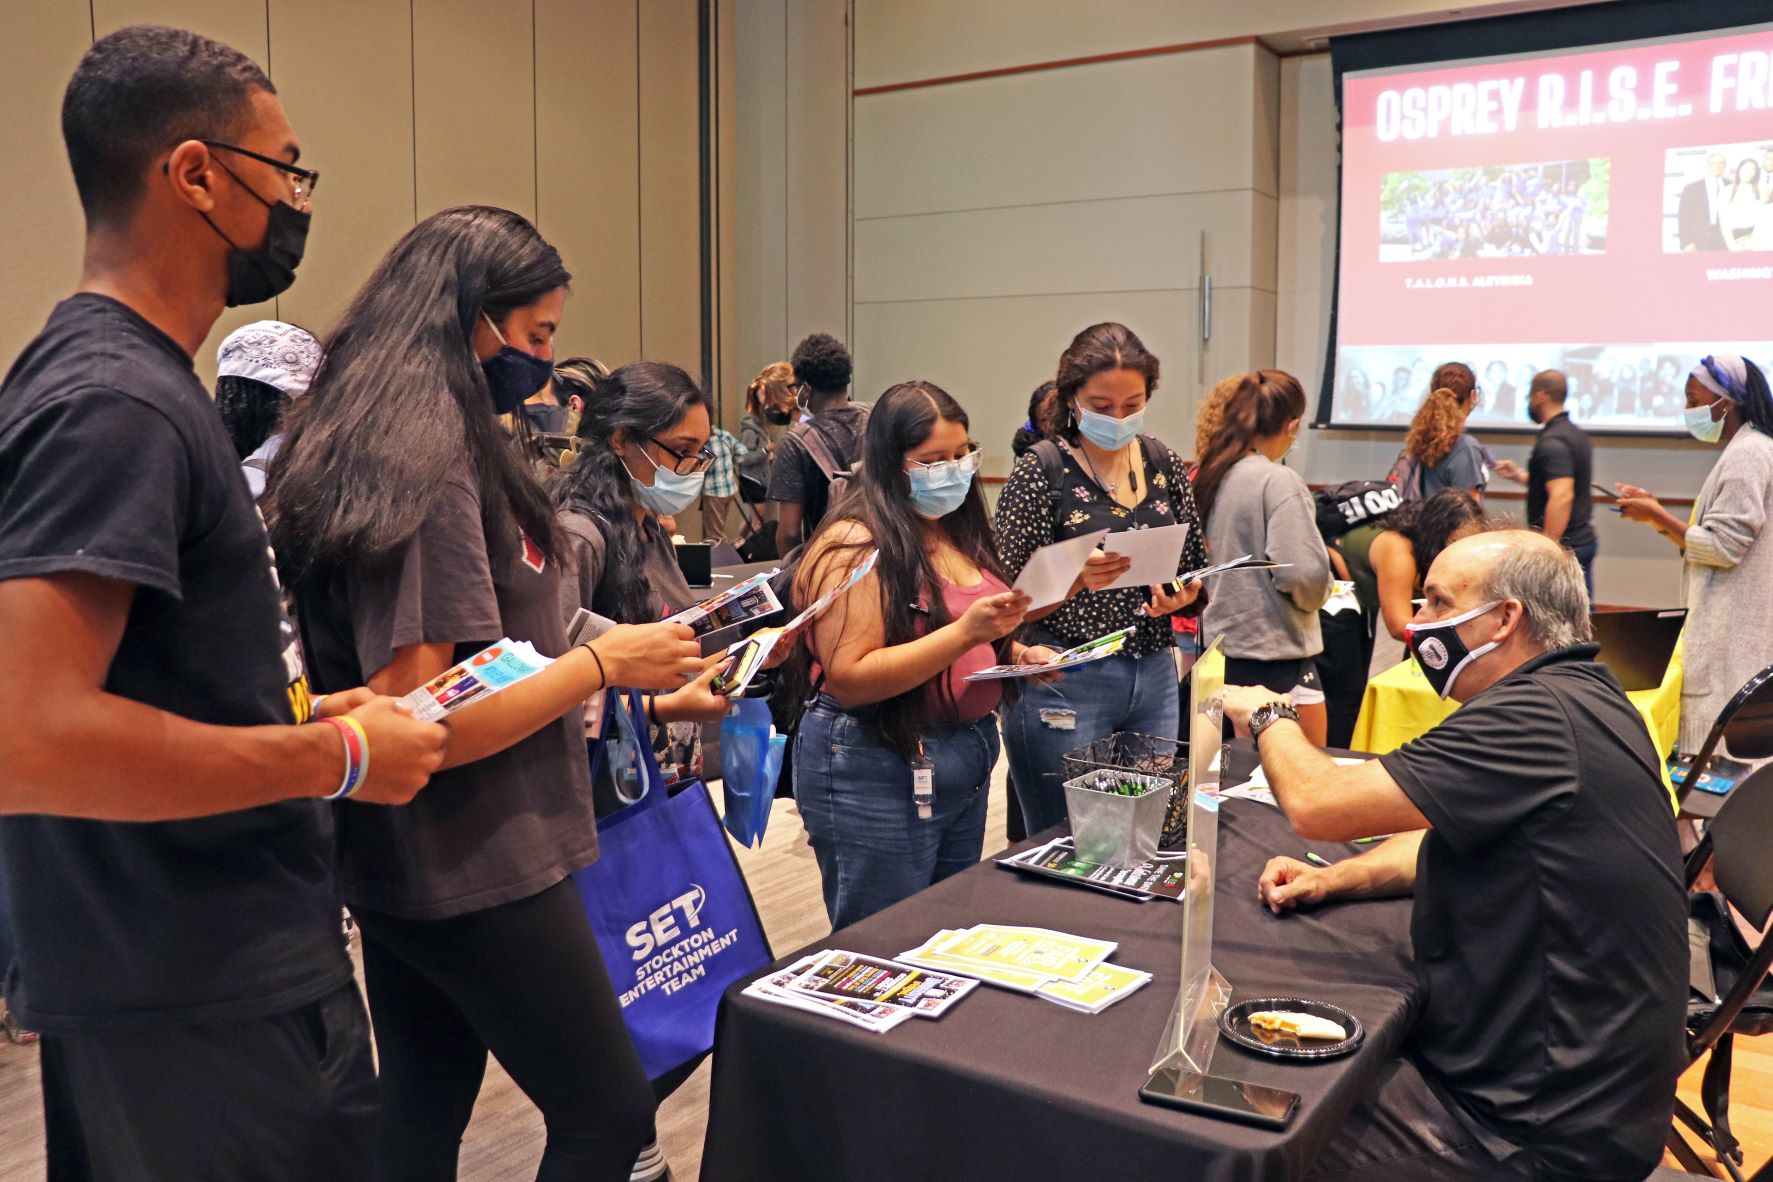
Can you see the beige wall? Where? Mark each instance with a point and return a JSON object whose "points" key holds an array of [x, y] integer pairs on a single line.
{"points": [[581, 114]]}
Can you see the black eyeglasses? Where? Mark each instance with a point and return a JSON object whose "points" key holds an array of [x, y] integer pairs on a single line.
{"points": [[684, 465], [303, 181]]}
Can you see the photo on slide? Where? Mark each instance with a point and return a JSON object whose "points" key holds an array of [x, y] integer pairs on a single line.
{"points": [[1718, 197], [1495, 211]]}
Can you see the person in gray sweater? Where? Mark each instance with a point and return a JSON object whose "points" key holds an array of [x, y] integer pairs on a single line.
{"points": [[1266, 620], [1729, 558]]}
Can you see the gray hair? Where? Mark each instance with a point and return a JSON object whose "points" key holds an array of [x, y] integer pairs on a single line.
{"points": [[1547, 582]]}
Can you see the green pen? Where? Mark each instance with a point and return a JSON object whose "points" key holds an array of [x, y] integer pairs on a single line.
{"points": [[1367, 840], [1315, 860]]}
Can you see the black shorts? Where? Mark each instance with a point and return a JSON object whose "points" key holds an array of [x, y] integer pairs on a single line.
{"points": [[1297, 678], [286, 1098]]}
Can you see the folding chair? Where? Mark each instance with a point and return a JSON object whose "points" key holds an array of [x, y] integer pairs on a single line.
{"points": [[1735, 842], [1746, 723]]}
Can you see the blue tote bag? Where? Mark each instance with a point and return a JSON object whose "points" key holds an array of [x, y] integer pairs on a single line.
{"points": [[673, 916]]}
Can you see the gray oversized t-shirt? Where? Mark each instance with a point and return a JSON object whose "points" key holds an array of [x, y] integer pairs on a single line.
{"points": [[494, 831]]}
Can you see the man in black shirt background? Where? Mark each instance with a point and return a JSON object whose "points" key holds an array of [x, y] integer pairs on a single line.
{"points": [[167, 856], [1559, 473], [1549, 922], [831, 439]]}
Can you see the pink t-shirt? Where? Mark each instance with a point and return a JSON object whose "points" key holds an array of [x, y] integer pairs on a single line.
{"points": [[975, 699]]}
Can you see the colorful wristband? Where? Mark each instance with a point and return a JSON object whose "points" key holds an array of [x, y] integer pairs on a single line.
{"points": [[356, 756]]}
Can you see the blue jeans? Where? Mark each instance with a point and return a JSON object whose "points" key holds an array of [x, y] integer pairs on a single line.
{"points": [[1585, 559], [1123, 693], [855, 800]]}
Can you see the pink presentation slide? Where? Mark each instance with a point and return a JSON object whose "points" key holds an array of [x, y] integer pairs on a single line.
{"points": [[1607, 212]]}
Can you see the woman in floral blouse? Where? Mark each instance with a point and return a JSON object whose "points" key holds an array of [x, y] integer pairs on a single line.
{"points": [[1100, 472]]}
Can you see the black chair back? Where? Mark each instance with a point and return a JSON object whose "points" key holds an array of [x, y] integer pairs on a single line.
{"points": [[1738, 838], [1749, 729]]}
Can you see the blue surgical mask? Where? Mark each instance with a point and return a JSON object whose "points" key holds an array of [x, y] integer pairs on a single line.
{"points": [[939, 489], [1700, 424], [669, 494], [1108, 432], [513, 376]]}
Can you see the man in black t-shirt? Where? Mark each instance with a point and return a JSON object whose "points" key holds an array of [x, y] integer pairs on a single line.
{"points": [[1549, 923], [166, 853], [1559, 473], [830, 439]]}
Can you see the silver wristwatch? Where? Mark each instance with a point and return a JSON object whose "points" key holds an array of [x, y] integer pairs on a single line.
{"points": [[1266, 715]]}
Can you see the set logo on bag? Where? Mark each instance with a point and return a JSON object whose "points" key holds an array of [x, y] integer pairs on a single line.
{"points": [[671, 946]]}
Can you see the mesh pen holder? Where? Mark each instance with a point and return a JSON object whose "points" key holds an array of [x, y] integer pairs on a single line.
{"points": [[1148, 755], [1111, 826]]}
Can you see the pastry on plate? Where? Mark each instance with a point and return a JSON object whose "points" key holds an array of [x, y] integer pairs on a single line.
{"points": [[1298, 1025]]}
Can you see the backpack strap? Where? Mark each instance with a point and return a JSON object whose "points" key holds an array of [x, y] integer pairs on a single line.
{"points": [[819, 447], [1158, 455], [1052, 463]]}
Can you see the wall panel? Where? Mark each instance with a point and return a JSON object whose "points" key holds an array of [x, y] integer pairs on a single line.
{"points": [[323, 50], [474, 104], [38, 207], [587, 175], [670, 179]]}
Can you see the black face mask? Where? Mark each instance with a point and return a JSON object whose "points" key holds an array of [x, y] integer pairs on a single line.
{"points": [[513, 376], [256, 276], [780, 418]]}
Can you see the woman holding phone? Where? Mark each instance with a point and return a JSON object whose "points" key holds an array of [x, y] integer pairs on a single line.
{"points": [[1099, 472], [414, 534], [893, 757]]}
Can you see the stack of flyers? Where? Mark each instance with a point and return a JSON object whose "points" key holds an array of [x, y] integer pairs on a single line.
{"points": [[874, 1016], [1247, 562], [1163, 877], [1092, 990], [752, 653], [850, 976], [1106, 984], [747, 600], [482, 675], [1089, 650]]}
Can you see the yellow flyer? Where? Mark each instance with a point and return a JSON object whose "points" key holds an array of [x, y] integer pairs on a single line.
{"points": [[1058, 954], [1105, 985], [1020, 980]]}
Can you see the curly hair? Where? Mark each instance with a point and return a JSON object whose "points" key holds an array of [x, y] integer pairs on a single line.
{"points": [[771, 389], [1212, 412], [1043, 418], [822, 363], [1432, 525], [1436, 427]]}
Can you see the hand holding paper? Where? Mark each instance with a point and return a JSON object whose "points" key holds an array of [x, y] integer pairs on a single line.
{"points": [[1153, 554], [1048, 576]]}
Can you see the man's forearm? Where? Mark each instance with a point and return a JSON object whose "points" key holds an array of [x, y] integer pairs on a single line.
{"points": [[1386, 870], [1557, 518], [108, 758]]}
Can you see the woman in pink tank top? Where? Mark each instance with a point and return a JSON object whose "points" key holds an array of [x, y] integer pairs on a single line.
{"points": [[893, 757]]}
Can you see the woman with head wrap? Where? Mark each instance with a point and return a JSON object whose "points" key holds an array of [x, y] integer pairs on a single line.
{"points": [[259, 368], [1729, 559]]}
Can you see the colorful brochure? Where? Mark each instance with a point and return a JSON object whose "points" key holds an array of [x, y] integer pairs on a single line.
{"points": [[850, 976], [747, 600], [750, 655], [1163, 877], [482, 675], [868, 1015], [1067, 957], [1089, 650], [817, 608], [1105, 985], [1247, 562]]}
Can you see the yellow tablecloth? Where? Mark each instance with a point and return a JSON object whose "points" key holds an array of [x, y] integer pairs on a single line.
{"points": [[1400, 705]]}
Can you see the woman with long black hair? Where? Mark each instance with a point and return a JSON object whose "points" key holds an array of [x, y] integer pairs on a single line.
{"points": [[643, 449], [414, 534], [894, 755]]}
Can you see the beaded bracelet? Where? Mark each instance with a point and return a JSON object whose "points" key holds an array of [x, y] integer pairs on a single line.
{"points": [[356, 756]]}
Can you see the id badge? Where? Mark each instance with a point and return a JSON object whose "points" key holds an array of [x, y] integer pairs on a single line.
{"points": [[923, 784]]}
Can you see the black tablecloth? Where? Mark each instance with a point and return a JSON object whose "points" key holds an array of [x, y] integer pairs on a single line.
{"points": [[1011, 1086]]}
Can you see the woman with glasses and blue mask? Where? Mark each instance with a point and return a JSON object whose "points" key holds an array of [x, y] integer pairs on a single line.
{"points": [[1729, 559], [893, 757], [414, 533], [1100, 472], [643, 452]]}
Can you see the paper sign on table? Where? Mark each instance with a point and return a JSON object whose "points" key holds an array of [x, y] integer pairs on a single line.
{"points": [[1156, 553], [1164, 876], [1105, 985], [485, 673], [742, 601], [1065, 956], [1047, 576], [1018, 980], [1083, 654], [852, 976]]}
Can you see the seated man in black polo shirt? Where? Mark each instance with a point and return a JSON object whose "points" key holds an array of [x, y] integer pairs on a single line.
{"points": [[1550, 920]]}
